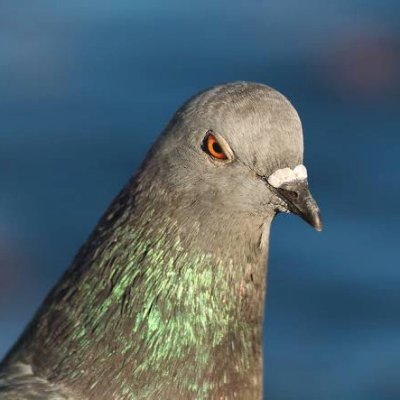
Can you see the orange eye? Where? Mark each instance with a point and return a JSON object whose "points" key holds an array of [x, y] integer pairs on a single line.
{"points": [[214, 148]]}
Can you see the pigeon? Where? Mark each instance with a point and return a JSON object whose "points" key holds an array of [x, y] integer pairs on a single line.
{"points": [[165, 300]]}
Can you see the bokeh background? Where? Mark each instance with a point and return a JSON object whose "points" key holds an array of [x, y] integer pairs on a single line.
{"points": [[86, 86]]}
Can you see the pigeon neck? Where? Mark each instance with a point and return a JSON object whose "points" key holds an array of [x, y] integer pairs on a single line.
{"points": [[146, 309]]}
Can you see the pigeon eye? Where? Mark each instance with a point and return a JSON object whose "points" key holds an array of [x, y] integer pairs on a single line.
{"points": [[214, 148]]}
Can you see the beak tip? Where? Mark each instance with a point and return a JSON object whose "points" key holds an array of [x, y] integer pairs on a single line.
{"points": [[317, 222]]}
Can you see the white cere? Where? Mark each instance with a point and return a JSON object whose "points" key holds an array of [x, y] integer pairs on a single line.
{"points": [[287, 175]]}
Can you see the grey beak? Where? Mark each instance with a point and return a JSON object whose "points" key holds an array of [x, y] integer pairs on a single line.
{"points": [[299, 201]]}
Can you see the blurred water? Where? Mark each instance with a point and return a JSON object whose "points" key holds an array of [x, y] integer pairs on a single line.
{"points": [[85, 88]]}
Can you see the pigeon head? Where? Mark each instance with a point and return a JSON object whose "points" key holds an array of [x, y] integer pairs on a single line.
{"points": [[236, 149]]}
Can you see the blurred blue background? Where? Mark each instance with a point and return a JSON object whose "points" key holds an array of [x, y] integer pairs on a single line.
{"points": [[86, 86]]}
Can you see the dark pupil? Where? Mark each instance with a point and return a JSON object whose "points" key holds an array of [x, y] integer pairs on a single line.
{"points": [[217, 148]]}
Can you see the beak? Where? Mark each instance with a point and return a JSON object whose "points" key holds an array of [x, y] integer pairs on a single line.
{"points": [[299, 201]]}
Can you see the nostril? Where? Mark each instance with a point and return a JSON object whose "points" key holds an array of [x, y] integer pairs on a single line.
{"points": [[295, 194]]}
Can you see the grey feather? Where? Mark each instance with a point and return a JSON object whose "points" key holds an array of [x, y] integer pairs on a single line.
{"points": [[18, 382]]}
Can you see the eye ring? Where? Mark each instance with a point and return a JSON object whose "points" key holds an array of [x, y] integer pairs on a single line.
{"points": [[213, 147]]}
